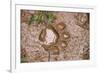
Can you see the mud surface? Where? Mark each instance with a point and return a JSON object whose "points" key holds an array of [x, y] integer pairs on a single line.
{"points": [[69, 36]]}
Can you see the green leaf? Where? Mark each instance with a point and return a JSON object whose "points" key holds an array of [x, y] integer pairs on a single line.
{"points": [[42, 17]]}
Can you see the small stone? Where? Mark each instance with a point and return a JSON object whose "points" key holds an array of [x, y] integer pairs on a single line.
{"points": [[64, 44], [65, 35]]}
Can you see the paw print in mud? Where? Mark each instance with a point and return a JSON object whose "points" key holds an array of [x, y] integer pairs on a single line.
{"points": [[54, 36], [51, 36]]}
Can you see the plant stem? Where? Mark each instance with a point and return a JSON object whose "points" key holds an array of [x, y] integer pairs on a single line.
{"points": [[49, 56]]}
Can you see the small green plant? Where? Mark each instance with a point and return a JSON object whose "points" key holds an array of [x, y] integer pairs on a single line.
{"points": [[40, 17]]}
